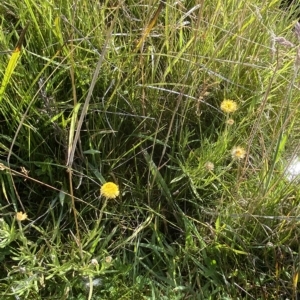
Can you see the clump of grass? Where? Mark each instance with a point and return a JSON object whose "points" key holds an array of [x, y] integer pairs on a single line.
{"points": [[143, 149]]}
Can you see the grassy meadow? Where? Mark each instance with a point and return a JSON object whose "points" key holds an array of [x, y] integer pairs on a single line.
{"points": [[189, 110]]}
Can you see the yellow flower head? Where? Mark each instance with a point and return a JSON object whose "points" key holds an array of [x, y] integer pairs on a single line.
{"points": [[228, 106], [109, 190], [20, 216], [238, 152]]}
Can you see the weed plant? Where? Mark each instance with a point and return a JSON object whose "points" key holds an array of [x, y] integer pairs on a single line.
{"points": [[134, 93]]}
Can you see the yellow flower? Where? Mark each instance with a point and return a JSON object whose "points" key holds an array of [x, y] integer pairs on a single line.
{"points": [[109, 190], [238, 152], [20, 216], [228, 106]]}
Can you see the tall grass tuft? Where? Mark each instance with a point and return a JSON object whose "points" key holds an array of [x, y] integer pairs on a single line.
{"points": [[144, 149]]}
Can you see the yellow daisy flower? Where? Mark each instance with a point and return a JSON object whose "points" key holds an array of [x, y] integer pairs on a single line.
{"points": [[228, 106], [238, 152], [20, 216], [109, 190]]}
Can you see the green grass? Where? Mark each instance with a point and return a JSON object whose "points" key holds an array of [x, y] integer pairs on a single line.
{"points": [[103, 93]]}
